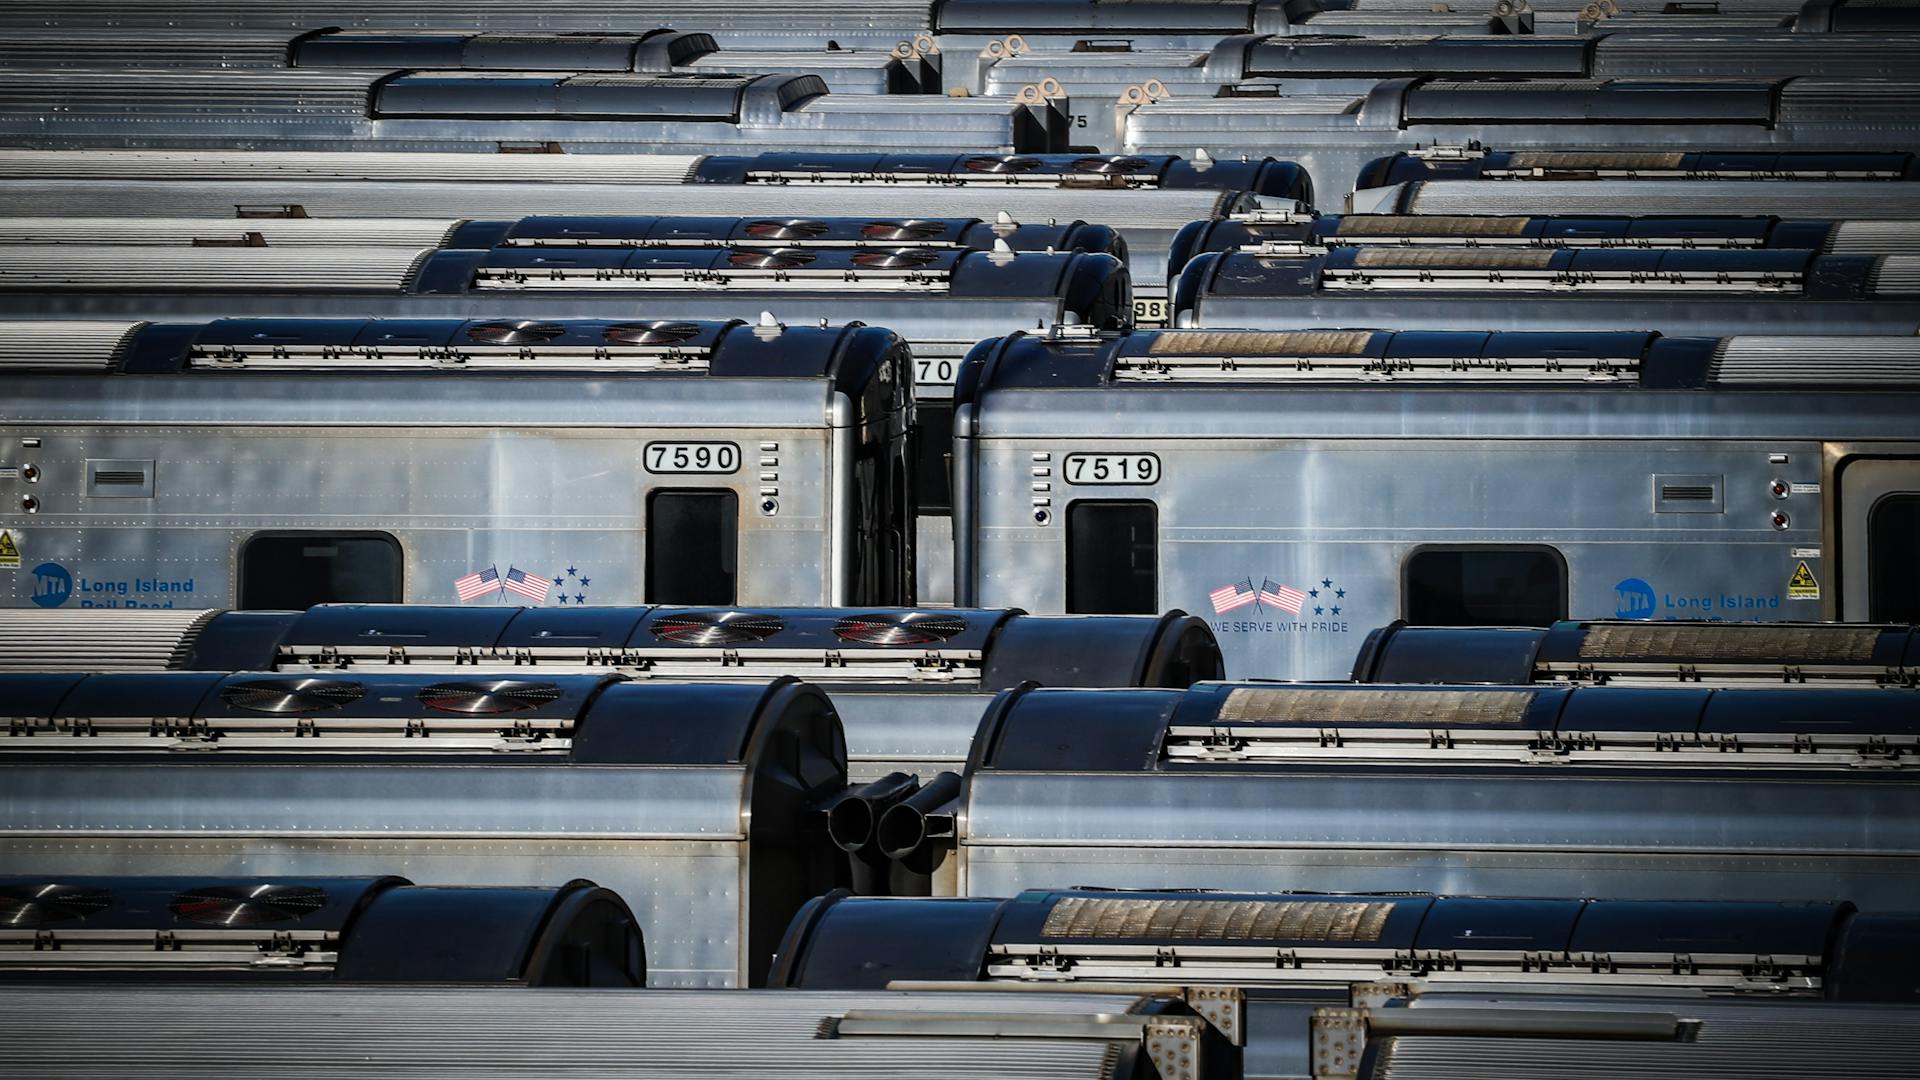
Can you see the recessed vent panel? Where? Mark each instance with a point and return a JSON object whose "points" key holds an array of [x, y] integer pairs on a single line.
{"points": [[488, 697], [910, 628], [1441, 708], [1218, 920], [1687, 493], [255, 906], [1731, 643], [280, 696], [716, 629], [25, 908]]}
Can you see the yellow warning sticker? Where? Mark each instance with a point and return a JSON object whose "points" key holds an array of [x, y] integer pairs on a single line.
{"points": [[1803, 585], [9, 552]]}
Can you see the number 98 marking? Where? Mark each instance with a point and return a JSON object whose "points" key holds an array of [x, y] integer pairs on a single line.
{"points": [[692, 457]]}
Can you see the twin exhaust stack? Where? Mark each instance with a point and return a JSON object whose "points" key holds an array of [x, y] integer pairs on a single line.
{"points": [[896, 831]]}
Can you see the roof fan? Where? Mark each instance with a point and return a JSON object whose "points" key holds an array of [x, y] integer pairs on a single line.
{"points": [[514, 333], [651, 333], [899, 628], [716, 628], [291, 695], [783, 259], [903, 230], [1109, 165], [894, 260], [36, 905], [488, 696], [251, 905], [786, 229], [1002, 164]]}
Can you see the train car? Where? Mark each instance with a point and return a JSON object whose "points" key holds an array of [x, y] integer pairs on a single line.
{"points": [[320, 109], [910, 686], [284, 463], [642, 1034], [1303, 487], [909, 67], [1337, 134], [330, 930], [1289, 955], [1720, 292], [692, 802], [1635, 652], [583, 231], [1365, 789]]}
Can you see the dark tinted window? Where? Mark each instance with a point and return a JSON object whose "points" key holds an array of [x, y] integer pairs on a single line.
{"points": [[1113, 558], [1893, 559], [298, 570], [933, 446], [1507, 586], [692, 547]]}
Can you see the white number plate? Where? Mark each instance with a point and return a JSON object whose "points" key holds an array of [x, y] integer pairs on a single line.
{"points": [[1152, 312], [693, 457], [1112, 469], [939, 371]]}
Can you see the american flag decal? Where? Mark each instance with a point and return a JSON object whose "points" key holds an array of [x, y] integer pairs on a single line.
{"points": [[478, 583], [1285, 597], [533, 588], [1230, 597]]}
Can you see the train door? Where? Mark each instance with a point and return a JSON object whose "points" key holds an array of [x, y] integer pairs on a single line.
{"points": [[1875, 535]]}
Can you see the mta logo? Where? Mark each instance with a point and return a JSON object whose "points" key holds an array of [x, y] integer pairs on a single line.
{"points": [[52, 584], [1633, 599]]}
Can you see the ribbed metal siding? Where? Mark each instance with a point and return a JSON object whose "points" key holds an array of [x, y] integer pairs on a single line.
{"points": [[272, 232], [1895, 275], [81, 346], [1753, 55], [1788, 198], [193, 1032], [1816, 361], [1875, 238], [183, 97], [364, 165], [144, 49], [363, 269], [302, 15], [118, 640], [1837, 102]]}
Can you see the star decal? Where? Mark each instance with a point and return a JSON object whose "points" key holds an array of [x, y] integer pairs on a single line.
{"points": [[559, 581], [1315, 593], [1336, 609], [563, 598], [573, 571], [1318, 610], [1341, 593], [584, 582], [579, 598], [1326, 583]]}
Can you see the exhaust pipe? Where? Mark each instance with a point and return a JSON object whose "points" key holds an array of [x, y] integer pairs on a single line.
{"points": [[853, 821], [909, 834]]}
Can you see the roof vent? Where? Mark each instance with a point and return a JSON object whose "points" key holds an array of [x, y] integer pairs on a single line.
{"points": [[36, 905], [251, 906], [492, 696], [903, 230], [894, 260], [653, 333], [1002, 164], [903, 628], [514, 333], [1109, 166], [721, 628], [769, 260], [291, 695], [786, 229]]}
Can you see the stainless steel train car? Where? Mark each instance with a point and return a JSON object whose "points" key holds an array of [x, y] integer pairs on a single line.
{"points": [[1635, 652], [284, 463], [347, 109], [1288, 955], [333, 930], [690, 801], [583, 231], [1304, 487], [1337, 134], [909, 67], [910, 686], [483, 1033], [1363, 789], [1289, 287]]}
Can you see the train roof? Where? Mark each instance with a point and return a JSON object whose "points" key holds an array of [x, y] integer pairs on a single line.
{"points": [[1295, 359], [351, 930], [1251, 726], [851, 357], [1628, 652]]}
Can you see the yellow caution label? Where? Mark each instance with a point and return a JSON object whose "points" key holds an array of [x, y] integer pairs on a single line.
{"points": [[1803, 585], [9, 552]]}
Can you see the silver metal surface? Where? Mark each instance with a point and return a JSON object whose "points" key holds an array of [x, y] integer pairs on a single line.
{"points": [[1842, 199], [225, 232], [126, 640]]}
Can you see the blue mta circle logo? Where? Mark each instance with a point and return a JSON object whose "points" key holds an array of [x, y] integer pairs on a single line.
{"points": [[52, 584], [1633, 599]]}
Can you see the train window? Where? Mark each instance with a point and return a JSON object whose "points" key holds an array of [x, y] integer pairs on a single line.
{"points": [[1519, 585], [933, 447], [294, 571], [1113, 557], [692, 547], [1893, 570]]}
